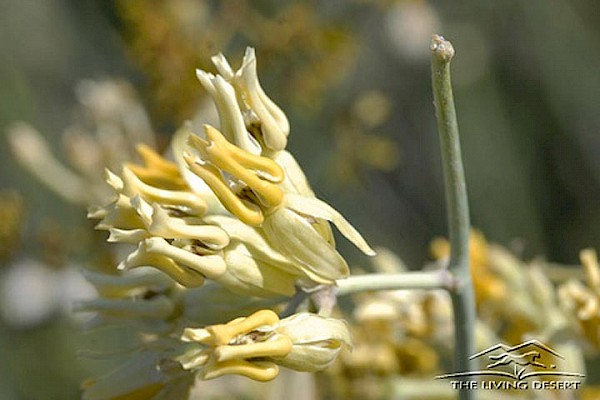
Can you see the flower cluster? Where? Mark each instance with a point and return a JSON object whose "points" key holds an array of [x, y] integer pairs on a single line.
{"points": [[235, 209], [514, 299], [582, 301]]}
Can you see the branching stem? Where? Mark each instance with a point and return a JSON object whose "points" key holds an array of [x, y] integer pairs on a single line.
{"points": [[457, 278]]}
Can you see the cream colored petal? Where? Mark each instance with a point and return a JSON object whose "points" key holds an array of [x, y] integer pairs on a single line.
{"points": [[305, 328], [317, 341], [293, 236], [248, 276], [194, 358], [181, 228], [97, 212], [199, 335], [232, 122], [141, 257], [132, 236], [227, 115], [319, 209], [255, 242], [121, 215], [590, 309], [211, 266], [295, 180], [311, 358], [223, 66], [274, 124], [113, 180]]}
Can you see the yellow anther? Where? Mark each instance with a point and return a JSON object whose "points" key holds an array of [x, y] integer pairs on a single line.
{"points": [[223, 334], [189, 200], [141, 258], [259, 173], [154, 160], [157, 171], [246, 211], [258, 370], [250, 161]]}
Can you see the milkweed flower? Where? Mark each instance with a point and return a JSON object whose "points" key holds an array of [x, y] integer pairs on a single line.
{"points": [[254, 346], [173, 235], [234, 209], [247, 186], [248, 117]]}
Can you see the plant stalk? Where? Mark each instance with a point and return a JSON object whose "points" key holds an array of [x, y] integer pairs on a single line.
{"points": [[463, 300], [439, 279]]}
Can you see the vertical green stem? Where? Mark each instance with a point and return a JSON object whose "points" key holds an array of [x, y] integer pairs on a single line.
{"points": [[458, 208]]}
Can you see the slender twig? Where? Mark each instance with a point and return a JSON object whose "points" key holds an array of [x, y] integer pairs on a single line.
{"points": [[439, 279], [458, 209]]}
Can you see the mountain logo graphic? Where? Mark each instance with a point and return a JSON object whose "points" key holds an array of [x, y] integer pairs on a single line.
{"points": [[526, 360]]}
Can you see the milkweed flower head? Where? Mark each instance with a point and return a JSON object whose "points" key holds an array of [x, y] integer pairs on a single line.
{"points": [[233, 211]]}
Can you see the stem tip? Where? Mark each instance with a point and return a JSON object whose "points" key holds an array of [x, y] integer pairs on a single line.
{"points": [[441, 48]]}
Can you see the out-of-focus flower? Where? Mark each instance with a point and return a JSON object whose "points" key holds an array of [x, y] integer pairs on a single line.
{"points": [[164, 40], [581, 301], [11, 214], [111, 123], [145, 299], [31, 293], [140, 378], [253, 346], [514, 298], [358, 144], [409, 25], [487, 284]]}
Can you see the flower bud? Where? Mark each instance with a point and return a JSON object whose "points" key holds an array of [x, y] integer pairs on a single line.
{"points": [[316, 341], [273, 124]]}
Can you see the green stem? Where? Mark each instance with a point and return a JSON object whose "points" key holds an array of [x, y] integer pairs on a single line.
{"points": [[440, 279], [458, 208]]}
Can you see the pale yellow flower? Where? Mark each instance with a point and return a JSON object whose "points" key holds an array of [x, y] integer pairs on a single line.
{"points": [[254, 346], [266, 121], [582, 300], [247, 186]]}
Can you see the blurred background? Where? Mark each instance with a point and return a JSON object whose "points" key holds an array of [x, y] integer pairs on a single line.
{"points": [[354, 80]]}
